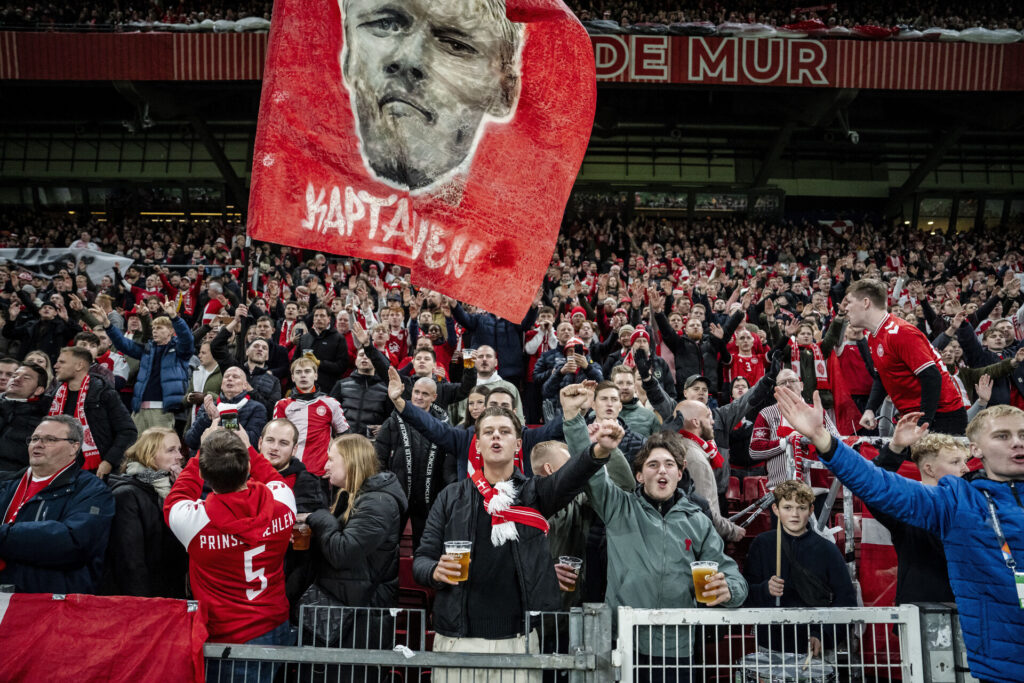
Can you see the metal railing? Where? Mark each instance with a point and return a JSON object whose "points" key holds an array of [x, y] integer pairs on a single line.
{"points": [[765, 644], [914, 644], [364, 645]]}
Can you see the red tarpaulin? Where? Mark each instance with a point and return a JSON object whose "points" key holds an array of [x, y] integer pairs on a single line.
{"points": [[427, 135], [91, 638]]}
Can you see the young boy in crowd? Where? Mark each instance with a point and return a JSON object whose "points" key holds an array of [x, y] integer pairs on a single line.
{"points": [[813, 573]]}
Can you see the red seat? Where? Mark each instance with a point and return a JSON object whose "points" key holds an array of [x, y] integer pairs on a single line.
{"points": [[405, 542], [733, 493], [411, 595], [754, 488]]}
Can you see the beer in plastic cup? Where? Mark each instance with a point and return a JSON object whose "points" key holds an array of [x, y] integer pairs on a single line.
{"points": [[702, 572], [468, 361], [301, 534], [460, 550], [573, 563]]}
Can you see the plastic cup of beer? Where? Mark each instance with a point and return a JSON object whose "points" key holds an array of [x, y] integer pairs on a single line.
{"points": [[460, 550], [468, 361], [702, 572], [573, 563], [301, 534]]}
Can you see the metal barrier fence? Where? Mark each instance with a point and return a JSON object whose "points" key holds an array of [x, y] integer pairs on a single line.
{"points": [[362, 645], [914, 644], [770, 645]]}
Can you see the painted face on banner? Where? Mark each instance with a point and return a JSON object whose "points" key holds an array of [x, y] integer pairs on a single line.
{"points": [[442, 136], [423, 76]]}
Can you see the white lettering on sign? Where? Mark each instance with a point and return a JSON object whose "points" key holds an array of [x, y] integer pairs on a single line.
{"points": [[712, 63], [650, 58], [392, 224], [611, 56]]}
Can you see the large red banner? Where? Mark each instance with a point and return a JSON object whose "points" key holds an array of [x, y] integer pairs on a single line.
{"points": [[438, 135], [91, 638]]}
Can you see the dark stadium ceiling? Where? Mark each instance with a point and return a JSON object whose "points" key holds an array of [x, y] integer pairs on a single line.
{"points": [[795, 123]]}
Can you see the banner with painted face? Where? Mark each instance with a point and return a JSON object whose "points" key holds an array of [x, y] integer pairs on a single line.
{"points": [[440, 135]]}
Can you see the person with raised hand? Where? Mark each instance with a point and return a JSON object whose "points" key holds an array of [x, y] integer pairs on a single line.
{"points": [[980, 523]]}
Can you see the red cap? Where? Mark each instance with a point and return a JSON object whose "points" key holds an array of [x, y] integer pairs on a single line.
{"points": [[578, 310]]}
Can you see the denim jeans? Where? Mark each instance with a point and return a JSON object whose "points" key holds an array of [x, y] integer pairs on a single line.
{"points": [[241, 671]]}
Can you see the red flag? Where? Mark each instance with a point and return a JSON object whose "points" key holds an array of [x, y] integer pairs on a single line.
{"points": [[435, 134], [91, 638]]}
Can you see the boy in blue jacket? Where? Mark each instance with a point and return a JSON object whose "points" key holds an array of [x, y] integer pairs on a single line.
{"points": [[980, 522]]}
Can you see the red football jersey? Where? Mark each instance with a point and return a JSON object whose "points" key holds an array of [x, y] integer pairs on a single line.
{"points": [[751, 367], [900, 352], [236, 544], [318, 417], [398, 344]]}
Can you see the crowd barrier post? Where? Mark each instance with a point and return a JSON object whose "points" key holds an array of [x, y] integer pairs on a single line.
{"points": [[943, 652]]}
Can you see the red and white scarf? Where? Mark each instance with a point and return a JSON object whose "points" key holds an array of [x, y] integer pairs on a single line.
{"points": [[89, 450], [498, 501], [820, 366], [286, 332], [709, 448]]}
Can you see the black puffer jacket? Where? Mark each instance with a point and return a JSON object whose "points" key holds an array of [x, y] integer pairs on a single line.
{"points": [[18, 419], [364, 398], [112, 427], [357, 561], [454, 517], [699, 358], [393, 456], [144, 558], [331, 349]]}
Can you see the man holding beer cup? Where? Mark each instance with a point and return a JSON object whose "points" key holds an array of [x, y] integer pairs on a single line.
{"points": [[660, 547], [485, 547]]}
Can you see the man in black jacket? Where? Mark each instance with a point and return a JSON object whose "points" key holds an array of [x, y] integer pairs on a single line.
{"points": [[510, 570], [423, 468], [108, 426], [327, 345], [21, 410], [696, 353], [265, 384], [363, 396], [38, 328]]}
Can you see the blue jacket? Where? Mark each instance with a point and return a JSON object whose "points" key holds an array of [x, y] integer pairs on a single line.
{"points": [[57, 542], [457, 441], [174, 371], [506, 338], [956, 511]]}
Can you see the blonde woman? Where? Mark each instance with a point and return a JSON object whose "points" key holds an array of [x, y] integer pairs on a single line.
{"points": [[143, 556], [355, 543]]}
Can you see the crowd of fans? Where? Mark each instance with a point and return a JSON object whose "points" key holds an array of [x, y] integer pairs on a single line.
{"points": [[917, 15], [910, 15], [203, 407], [114, 13]]}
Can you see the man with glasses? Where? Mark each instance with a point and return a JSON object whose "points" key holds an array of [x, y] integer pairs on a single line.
{"points": [[768, 441], [56, 517]]}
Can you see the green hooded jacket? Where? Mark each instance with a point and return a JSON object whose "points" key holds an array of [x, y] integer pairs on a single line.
{"points": [[649, 558]]}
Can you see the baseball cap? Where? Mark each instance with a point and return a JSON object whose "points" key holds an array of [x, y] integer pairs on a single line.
{"points": [[693, 379]]}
